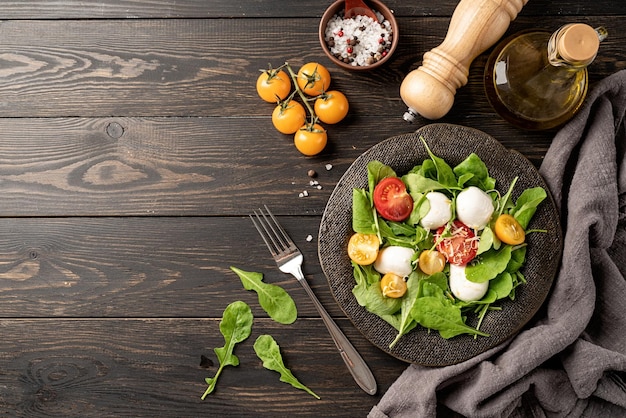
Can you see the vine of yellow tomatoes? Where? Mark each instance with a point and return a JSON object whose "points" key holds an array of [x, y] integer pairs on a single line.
{"points": [[311, 84]]}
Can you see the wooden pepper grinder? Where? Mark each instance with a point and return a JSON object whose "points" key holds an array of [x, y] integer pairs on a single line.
{"points": [[475, 26]]}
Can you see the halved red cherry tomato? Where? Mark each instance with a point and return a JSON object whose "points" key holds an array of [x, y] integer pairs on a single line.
{"points": [[363, 248], [457, 242], [392, 200]]}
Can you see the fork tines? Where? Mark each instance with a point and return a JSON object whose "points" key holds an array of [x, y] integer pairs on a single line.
{"points": [[273, 234]]}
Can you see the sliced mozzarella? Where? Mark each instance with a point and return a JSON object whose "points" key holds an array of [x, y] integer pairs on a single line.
{"points": [[440, 211], [464, 289], [396, 260], [474, 207]]}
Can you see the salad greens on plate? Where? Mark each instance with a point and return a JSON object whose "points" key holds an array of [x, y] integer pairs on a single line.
{"points": [[438, 244]]}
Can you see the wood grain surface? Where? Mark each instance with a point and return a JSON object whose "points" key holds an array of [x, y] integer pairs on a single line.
{"points": [[133, 147]]}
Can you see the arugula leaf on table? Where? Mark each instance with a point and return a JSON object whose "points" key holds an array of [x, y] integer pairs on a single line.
{"points": [[235, 326], [268, 351], [273, 299]]}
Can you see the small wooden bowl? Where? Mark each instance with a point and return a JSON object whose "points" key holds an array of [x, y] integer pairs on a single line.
{"points": [[336, 8]]}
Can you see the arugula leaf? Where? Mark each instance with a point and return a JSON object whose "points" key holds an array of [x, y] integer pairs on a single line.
{"points": [[268, 351], [363, 220], [369, 294], [491, 264], [487, 240], [473, 172], [526, 205], [445, 175], [417, 183], [502, 285], [273, 299], [402, 234], [376, 171], [235, 326], [441, 315], [421, 206], [505, 202], [518, 257], [406, 322], [465, 179], [400, 228]]}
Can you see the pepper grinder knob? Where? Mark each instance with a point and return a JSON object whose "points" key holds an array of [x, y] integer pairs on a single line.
{"points": [[475, 26]]}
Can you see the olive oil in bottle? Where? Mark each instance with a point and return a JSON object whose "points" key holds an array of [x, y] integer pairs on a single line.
{"points": [[538, 80]]}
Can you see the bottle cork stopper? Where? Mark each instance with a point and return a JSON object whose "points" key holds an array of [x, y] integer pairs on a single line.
{"points": [[578, 43]]}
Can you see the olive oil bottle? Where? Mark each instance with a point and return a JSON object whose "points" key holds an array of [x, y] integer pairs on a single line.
{"points": [[538, 80]]}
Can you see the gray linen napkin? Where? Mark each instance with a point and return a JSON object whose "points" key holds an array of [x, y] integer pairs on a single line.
{"points": [[571, 360]]}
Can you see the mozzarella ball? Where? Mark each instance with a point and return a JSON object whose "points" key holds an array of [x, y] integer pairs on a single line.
{"points": [[464, 289], [440, 211], [394, 259], [474, 207]]}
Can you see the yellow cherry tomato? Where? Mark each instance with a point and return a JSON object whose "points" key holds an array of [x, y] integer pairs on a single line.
{"points": [[273, 85], [288, 117], [363, 248], [508, 230], [431, 262], [313, 78], [331, 107], [310, 139], [392, 286]]}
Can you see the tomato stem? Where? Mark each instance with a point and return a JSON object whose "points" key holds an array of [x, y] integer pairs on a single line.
{"points": [[272, 72], [294, 78]]}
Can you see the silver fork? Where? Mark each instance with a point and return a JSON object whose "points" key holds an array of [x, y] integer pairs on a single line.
{"points": [[289, 260]]}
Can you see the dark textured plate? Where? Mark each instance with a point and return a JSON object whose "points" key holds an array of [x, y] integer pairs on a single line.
{"points": [[453, 143]]}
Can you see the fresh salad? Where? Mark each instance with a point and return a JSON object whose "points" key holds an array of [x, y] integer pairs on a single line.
{"points": [[438, 244]]}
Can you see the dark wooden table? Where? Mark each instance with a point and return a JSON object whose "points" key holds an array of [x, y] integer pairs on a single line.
{"points": [[132, 148]]}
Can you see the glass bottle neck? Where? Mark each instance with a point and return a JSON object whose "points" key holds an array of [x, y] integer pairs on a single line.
{"points": [[574, 49]]}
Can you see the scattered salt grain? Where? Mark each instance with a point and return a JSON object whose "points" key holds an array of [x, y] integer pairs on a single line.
{"points": [[359, 41], [329, 167], [303, 194], [309, 238]]}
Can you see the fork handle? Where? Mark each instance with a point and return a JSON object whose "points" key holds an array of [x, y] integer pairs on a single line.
{"points": [[357, 366]]}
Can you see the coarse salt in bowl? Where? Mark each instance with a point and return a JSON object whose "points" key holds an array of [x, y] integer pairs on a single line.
{"points": [[358, 43]]}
